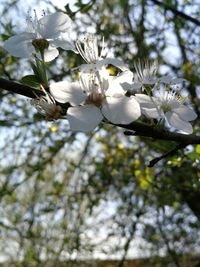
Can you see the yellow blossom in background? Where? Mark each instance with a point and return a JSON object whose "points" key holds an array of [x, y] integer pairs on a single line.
{"points": [[53, 128]]}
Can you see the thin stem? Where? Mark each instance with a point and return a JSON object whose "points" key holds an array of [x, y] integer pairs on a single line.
{"points": [[176, 12], [169, 153]]}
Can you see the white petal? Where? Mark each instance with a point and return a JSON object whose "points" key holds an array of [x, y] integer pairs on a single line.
{"points": [[114, 88], [67, 92], [20, 45], [174, 104], [115, 62], [146, 101], [87, 67], [64, 44], [121, 110], [126, 86], [50, 54], [150, 80], [84, 118], [50, 26], [21, 37], [85, 79], [125, 79], [110, 85], [104, 73], [153, 113], [175, 121], [136, 86], [185, 113], [177, 81], [166, 79]]}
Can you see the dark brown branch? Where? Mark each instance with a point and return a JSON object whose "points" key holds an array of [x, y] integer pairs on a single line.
{"points": [[20, 89], [140, 129], [176, 12], [169, 153]]}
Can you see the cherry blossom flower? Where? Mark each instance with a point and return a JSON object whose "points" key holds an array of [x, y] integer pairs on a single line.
{"points": [[97, 96], [169, 80], [44, 34], [145, 74], [89, 51], [167, 105], [46, 106]]}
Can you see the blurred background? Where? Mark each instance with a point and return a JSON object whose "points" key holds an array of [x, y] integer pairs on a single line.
{"points": [[74, 199]]}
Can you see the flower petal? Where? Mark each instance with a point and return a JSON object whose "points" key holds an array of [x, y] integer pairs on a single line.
{"points": [[84, 118], [153, 113], [136, 86], [175, 121], [20, 45], [177, 81], [115, 88], [64, 44], [50, 26], [67, 92], [50, 54], [146, 101], [87, 67], [113, 61], [125, 79], [150, 80], [121, 110], [185, 113], [166, 79]]}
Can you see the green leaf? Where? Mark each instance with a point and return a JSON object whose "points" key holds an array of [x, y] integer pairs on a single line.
{"points": [[193, 155], [31, 80], [39, 70]]}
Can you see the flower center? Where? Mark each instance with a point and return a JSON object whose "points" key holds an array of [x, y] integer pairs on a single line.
{"points": [[40, 44], [165, 107], [50, 110], [96, 99]]}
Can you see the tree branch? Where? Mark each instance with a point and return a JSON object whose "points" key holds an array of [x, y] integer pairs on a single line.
{"points": [[140, 129], [169, 153], [176, 12], [20, 89]]}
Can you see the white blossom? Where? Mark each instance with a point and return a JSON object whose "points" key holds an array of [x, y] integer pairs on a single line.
{"points": [[45, 33], [46, 106], [97, 96], [145, 74], [169, 80], [89, 50], [167, 105]]}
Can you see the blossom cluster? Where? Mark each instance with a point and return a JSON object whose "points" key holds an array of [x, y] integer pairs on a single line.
{"points": [[97, 96]]}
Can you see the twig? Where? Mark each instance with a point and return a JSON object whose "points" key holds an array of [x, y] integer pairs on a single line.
{"points": [[176, 12], [169, 153], [20, 89], [142, 129], [25, 90]]}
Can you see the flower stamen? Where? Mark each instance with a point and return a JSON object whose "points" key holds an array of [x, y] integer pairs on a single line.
{"points": [[88, 49]]}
